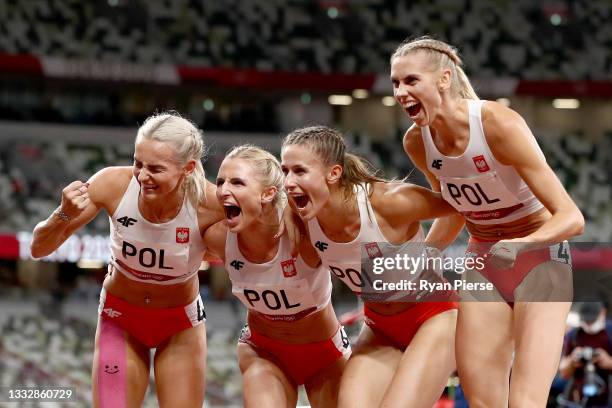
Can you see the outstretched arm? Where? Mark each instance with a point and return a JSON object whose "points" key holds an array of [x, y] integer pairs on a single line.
{"points": [[214, 238]]}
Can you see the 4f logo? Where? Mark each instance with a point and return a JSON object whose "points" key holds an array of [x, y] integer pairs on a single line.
{"points": [[236, 264], [112, 313], [288, 267], [321, 246], [437, 164], [126, 221]]}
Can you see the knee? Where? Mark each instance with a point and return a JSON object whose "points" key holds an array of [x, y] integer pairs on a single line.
{"points": [[481, 401], [520, 399], [486, 394], [527, 404]]}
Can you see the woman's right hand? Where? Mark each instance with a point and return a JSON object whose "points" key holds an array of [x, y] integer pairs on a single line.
{"points": [[75, 198], [81, 202]]}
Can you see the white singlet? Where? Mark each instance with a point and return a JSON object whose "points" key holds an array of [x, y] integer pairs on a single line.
{"points": [[166, 253]]}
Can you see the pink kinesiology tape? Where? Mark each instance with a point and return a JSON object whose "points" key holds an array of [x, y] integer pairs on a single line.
{"points": [[112, 366]]}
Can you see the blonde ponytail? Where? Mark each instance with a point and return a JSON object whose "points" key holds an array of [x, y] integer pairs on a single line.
{"points": [[466, 90]]}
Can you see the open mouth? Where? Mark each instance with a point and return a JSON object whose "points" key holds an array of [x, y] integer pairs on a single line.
{"points": [[231, 211], [414, 109], [300, 201]]}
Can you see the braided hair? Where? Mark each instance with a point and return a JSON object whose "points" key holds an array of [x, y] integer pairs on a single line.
{"points": [[186, 139], [328, 144], [441, 55]]}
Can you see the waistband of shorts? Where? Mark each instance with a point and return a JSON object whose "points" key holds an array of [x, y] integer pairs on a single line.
{"points": [[266, 342], [443, 305], [484, 246], [106, 297]]}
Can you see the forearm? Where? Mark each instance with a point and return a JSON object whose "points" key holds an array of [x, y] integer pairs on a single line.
{"points": [[444, 231], [561, 226], [48, 236]]}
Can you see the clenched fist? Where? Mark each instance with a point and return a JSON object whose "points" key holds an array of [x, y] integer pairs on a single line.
{"points": [[75, 198]]}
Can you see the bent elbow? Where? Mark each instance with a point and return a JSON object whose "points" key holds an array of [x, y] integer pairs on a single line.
{"points": [[579, 224], [37, 252]]}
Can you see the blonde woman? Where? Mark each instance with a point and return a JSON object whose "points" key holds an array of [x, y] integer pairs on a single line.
{"points": [[484, 159], [292, 337], [158, 209]]}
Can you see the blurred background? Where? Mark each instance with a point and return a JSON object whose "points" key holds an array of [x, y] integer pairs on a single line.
{"points": [[77, 78]]}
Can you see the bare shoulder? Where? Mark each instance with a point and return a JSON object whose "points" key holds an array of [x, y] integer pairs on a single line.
{"points": [[498, 120], [209, 210], [108, 185], [507, 134], [413, 142], [389, 198], [403, 203], [214, 238], [386, 196], [414, 147]]}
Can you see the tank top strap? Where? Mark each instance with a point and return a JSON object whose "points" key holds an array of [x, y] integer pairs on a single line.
{"points": [[367, 216], [366, 212]]}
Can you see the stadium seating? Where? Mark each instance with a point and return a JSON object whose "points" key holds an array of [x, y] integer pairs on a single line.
{"points": [[353, 37]]}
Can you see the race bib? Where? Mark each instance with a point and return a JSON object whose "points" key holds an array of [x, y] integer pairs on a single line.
{"points": [[290, 298]]}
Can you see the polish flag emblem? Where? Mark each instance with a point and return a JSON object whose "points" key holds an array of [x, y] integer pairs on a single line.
{"points": [[481, 164], [289, 268], [373, 250], [182, 235]]}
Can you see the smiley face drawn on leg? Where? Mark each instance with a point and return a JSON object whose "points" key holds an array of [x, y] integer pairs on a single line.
{"points": [[111, 369]]}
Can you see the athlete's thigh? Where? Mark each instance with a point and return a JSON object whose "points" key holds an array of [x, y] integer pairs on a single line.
{"points": [[426, 364], [180, 369], [369, 371], [474, 276], [483, 349], [260, 372], [539, 330], [120, 368], [323, 389], [548, 282]]}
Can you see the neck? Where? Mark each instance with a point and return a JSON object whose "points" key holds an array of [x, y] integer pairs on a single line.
{"points": [[258, 242], [338, 216], [165, 208], [453, 115]]}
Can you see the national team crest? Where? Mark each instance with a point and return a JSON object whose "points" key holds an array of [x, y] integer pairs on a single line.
{"points": [[182, 235], [481, 164], [289, 268], [373, 250]]}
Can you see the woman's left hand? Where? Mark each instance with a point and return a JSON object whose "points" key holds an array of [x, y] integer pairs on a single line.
{"points": [[503, 254]]}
